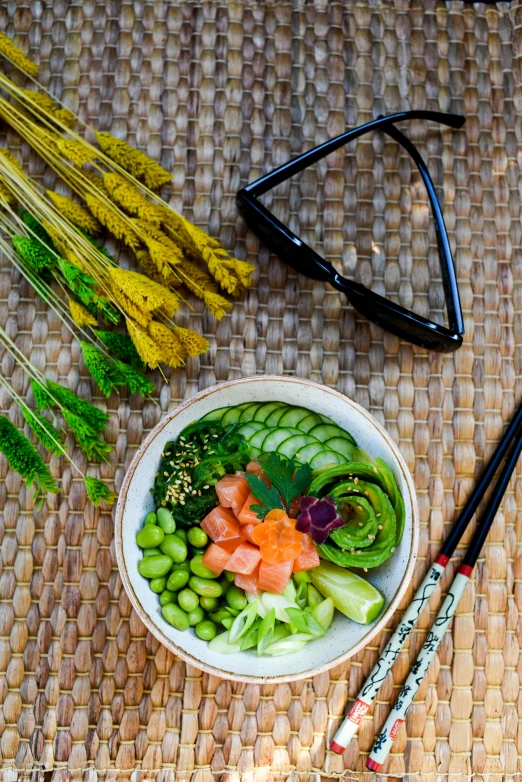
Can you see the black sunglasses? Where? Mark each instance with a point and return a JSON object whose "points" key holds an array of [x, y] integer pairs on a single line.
{"points": [[292, 250]]}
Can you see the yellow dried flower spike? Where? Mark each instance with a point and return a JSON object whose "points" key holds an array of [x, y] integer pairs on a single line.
{"points": [[130, 308], [77, 214], [145, 293], [136, 163], [172, 351], [6, 197], [159, 272], [195, 344], [76, 151], [111, 219], [95, 180], [147, 349], [217, 305], [13, 161], [65, 117], [81, 315], [40, 99], [62, 247], [162, 249], [129, 198], [17, 57]]}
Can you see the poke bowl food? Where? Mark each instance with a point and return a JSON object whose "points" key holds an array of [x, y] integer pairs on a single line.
{"points": [[265, 537]]}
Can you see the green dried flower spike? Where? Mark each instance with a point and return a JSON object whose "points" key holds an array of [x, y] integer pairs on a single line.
{"points": [[87, 439], [84, 286], [42, 398], [98, 491], [37, 229], [34, 253], [47, 434], [122, 346], [103, 369], [135, 380], [97, 419], [24, 459]]}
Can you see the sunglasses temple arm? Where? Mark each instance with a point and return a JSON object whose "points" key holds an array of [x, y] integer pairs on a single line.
{"points": [[443, 245], [298, 164]]}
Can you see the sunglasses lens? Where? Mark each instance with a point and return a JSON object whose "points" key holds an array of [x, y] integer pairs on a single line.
{"points": [[406, 325]]}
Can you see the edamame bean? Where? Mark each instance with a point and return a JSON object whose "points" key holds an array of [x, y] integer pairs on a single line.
{"points": [[205, 587], [177, 580], [208, 603], [166, 521], [181, 533], [206, 630], [158, 584], [174, 547], [195, 552], [235, 597], [229, 575], [182, 566], [199, 569], [197, 537], [155, 567], [175, 616], [188, 600], [225, 585], [151, 552], [150, 518], [196, 616], [167, 597], [149, 536], [220, 614]]}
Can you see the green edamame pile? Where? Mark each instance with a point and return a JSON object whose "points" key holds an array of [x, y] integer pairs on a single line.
{"points": [[190, 595]]}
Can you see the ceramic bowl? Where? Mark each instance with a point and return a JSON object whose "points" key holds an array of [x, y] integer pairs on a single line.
{"points": [[345, 638]]}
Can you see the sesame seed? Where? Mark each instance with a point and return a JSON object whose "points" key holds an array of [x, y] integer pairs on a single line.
{"points": [[166, 474], [365, 569], [360, 524], [380, 526], [356, 480], [378, 515], [194, 491], [393, 549], [359, 508], [206, 486]]}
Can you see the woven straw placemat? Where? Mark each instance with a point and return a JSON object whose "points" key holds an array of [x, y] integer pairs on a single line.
{"points": [[221, 92]]}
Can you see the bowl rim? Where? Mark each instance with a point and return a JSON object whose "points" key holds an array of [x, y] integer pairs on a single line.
{"points": [[178, 651]]}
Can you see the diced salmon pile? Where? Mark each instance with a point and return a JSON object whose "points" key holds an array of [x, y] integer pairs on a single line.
{"points": [[262, 554]]}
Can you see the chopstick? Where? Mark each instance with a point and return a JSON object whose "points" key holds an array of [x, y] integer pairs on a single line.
{"points": [[371, 687], [397, 715]]}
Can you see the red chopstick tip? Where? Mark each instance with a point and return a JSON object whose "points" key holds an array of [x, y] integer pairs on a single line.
{"points": [[335, 747], [442, 560], [373, 765], [466, 570]]}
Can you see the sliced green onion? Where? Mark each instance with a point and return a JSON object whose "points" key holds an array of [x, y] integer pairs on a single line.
{"points": [[265, 632], [243, 621]]}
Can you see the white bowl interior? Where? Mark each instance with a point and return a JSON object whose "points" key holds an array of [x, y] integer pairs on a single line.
{"points": [[138, 502]]}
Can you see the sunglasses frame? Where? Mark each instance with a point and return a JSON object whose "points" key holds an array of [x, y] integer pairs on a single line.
{"points": [[378, 309]]}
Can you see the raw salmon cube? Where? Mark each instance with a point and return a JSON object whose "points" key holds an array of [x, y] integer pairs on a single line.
{"points": [[274, 578], [222, 527], [244, 560], [308, 558], [232, 491], [247, 532], [254, 467], [247, 516], [248, 583], [216, 558]]}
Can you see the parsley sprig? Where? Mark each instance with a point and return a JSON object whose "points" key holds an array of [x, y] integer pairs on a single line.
{"points": [[288, 479]]}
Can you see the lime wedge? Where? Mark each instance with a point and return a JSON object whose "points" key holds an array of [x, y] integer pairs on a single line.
{"points": [[352, 595]]}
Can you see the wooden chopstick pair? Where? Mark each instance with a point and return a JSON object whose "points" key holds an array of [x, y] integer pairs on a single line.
{"points": [[368, 692]]}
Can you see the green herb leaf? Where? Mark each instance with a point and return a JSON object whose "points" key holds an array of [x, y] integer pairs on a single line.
{"points": [[287, 477], [269, 497]]}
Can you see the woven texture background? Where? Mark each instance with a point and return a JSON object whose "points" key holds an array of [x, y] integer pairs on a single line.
{"points": [[221, 92]]}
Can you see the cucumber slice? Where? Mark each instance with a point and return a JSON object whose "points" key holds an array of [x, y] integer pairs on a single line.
{"points": [[275, 415], [231, 416], [309, 422], [276, 437], [249, 412], [215, 415], [256, 441], [326, 457], [292, 446], [254, 452], [248, 429], [306, 454], [325, 432], [292, 416], [326, 420], [342, 447], [265, 409]]}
